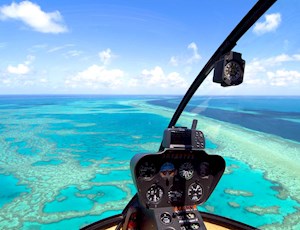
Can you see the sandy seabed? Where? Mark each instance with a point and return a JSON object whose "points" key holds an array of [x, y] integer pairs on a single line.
{"points": [[278, 158]]}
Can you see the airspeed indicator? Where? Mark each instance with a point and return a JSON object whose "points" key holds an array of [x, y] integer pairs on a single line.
{"points": [[154, 194], [147, 170]]}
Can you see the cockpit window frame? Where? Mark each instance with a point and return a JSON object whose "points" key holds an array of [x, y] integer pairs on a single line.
{"points": [[228, 44]]}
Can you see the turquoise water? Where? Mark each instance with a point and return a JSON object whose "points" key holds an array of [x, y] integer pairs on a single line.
{"points": [[65, 160], [116, 174], [73, 199], [10, 189], [50, 162], [259, 193], [68, 201]]}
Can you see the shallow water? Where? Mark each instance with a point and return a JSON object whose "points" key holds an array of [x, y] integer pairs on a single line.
{"points": [[65, 159]]}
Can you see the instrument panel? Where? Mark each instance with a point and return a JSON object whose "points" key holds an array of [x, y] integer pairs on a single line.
{"points": [[176, 177]]}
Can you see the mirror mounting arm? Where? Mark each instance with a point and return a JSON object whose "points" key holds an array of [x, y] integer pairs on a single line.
{"points": [[228, 44]]}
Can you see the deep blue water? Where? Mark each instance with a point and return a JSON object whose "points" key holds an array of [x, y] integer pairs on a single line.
{"points": [[274, 115], [61, 156]]}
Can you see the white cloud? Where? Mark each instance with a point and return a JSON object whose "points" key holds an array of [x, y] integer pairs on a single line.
{"points": [[157, 78], [283, 77], [40, 46], [20, 69], [73, 53], [6, 82], [186, 60], [279, 59], [255, 81], [296, 57], [196, 56], [173, 61], [57, 48], [43, 80], [269, 71], [29, 59], [32, 15], [253, 70], [106, 56], [271, 23], [133, 83], [23, 68], [97, 77]]}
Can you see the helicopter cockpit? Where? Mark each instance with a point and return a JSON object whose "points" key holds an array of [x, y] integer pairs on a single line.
{"points": [[112, 126], [171, 183]]}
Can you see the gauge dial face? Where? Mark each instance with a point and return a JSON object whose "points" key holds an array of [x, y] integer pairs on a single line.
{"points": [[195, 192], [147, 170], [204, 169], [186, 170], [154, 194], [175, 195], [232, 71], [195, 226], [167, 170], [166, 218]]}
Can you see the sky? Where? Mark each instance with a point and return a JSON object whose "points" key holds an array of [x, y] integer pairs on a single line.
{"points": [[142, 47]]}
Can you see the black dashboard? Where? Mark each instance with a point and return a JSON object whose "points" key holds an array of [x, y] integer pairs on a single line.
{"points": [[176, 177], [171, 183]]}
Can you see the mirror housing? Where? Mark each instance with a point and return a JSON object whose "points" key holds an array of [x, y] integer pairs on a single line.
{"points": [[229, 70]]}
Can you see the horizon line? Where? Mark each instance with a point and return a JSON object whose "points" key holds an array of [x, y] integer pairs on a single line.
{"points": [[87, 94]]}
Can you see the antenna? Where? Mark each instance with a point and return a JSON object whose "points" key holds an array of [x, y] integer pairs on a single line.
{"points": [[194, 125]]}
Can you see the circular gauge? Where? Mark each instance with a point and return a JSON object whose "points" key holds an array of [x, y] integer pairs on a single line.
{"points": [[167, 170], [175, 195], [186, 170], [204, 169], [154, 194], [147, 170], [195, 226], [166, 218], [195, 192], [232, 72]]}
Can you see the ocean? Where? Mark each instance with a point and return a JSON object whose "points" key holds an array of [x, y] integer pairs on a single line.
{"points": [[64, 159]]}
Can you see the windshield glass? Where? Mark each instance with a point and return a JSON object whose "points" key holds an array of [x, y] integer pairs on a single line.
{"points": [[255, 126], [86, 85]]}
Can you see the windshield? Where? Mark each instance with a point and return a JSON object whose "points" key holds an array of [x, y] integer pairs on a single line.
{"points": [[87, 85], [255, 126]]}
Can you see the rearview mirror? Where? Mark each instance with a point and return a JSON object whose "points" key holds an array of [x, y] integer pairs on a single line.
{"points": [[229, 70]]}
